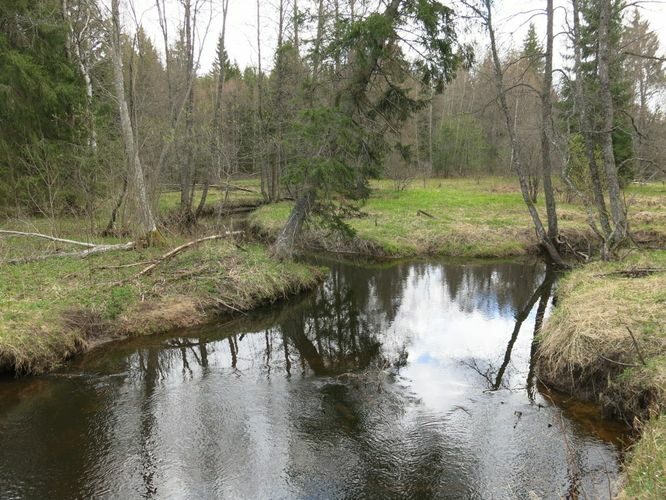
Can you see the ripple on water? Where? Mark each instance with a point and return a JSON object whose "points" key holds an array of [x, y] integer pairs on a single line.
{"points": [[411, 380]]}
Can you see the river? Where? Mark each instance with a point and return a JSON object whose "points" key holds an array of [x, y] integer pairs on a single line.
{"points": [[402, 380]]}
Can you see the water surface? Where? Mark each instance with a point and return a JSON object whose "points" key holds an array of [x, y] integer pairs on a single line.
{"points": [[398, 381]]}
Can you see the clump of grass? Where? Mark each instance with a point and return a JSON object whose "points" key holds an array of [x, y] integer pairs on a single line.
{"points": [[606, 337], [645, 472]]}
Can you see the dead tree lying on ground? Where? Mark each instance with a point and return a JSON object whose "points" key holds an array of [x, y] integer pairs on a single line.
{"points": [[91, 248]]}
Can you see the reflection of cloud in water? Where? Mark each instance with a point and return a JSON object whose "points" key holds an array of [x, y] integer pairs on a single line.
{"points": [[293, 401]]}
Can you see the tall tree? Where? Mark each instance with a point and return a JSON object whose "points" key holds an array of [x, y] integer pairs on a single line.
{"points": [[146, 218], [221, 64], [546, 124], [618, 214], [346, 140], [645, 67], [486, 14]]}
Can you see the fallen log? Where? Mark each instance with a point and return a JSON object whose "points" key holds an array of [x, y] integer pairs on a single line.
{"points": [[85, 253], [48, 237], [232, 187]]}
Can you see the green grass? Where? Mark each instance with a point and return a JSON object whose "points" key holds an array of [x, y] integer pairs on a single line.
{"points": [[170, 200], [52, 309], [473, 218], [598, 312], [645, 471]]}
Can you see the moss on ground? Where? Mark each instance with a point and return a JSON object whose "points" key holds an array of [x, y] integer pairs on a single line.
{"points": [[53, 309], [472, 218]]}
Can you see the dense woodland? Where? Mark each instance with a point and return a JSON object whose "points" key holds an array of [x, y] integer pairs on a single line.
{"points": [[98, 119]]}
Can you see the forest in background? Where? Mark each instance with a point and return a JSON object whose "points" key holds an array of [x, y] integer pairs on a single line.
{"points": [[98, 122]]}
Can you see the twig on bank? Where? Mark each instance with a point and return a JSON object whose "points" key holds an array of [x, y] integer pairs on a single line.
{"points": [[172, 253], [638, 351], [633, 365]]}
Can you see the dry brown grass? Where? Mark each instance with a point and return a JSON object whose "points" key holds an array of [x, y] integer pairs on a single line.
{"points": [[587, 346]]}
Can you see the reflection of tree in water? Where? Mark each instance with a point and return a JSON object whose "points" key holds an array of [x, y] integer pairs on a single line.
{"points": [[333, 330], [491, 288], [495, 375], [368, 424], [338, 328]]}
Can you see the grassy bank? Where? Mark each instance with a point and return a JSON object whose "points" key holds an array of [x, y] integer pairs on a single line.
{"points": [[607, 337], [471, 218], [53, 309], [645, 472], [606, 341]]}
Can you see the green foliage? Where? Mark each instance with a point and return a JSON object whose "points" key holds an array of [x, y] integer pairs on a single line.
{"points": [[339, 146], [620, 83], [461, 146], [41, 94], [334, 154], [578, 166], [532, 50]]}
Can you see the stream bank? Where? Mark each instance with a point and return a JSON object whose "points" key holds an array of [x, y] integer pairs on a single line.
{"points": [[394, 380], [54, 309], [606, 342]]}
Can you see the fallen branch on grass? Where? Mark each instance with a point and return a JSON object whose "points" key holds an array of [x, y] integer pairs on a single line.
{"points": [[124, 266], [80, 255], [92, 248], [633, 365], [423, 212], [48, 237], [172, 253], [633, 272], [638, 351], [232, 187]]}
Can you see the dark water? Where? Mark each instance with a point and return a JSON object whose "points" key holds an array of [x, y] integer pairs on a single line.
{"points": [[412, 380]]}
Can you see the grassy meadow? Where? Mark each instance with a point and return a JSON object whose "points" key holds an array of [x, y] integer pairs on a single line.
{"points": [[470, 218]]}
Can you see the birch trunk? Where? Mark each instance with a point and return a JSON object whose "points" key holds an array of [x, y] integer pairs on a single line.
{"points": [[515, 147], [135, 170], [546, 122], [618, 215]]}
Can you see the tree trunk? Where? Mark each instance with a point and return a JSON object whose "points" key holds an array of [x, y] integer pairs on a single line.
{"points": [[279, 106], [112, 227], [217, 115], [586, 127], [619, 233], [265, 174], [546, 119], [515, 148], [187, 167], [147, 220], [286, 240]]}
